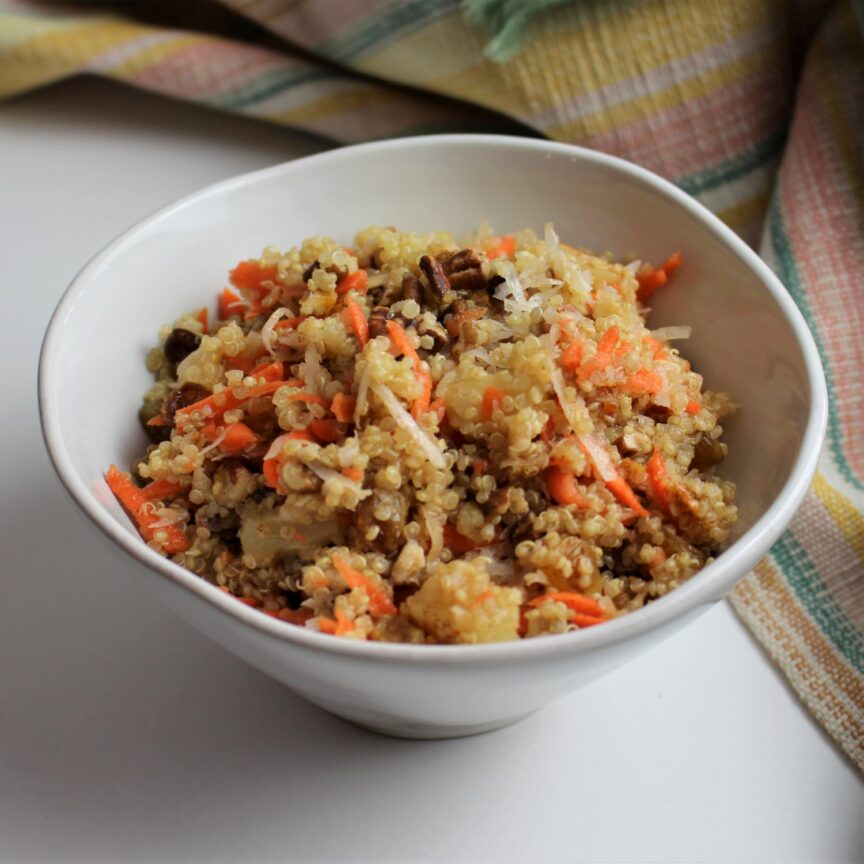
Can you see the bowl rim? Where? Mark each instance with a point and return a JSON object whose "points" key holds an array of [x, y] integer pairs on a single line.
{"points": [[705, 587]]}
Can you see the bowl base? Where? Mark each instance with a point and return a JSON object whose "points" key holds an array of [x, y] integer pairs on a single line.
{"points": [[410, 729]]}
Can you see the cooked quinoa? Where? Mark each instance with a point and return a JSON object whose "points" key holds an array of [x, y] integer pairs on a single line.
{"points": [[412, 440]]}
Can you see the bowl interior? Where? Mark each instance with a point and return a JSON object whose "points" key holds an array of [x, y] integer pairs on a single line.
{"points": [[742, 342]]}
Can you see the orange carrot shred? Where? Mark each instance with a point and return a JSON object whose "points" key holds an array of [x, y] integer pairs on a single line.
{"points": [[644, 381], [501, 247], [626, 496], [305, 396], [357, 321], [203, 317], [693, 407], [492, 397], [230, 304], [133, 500], [651, 280], [357, 281], [563, 487], [586, 620], [355, 474], [159, 490], [343, 406], [572, 600], [379, 603], [657, 479], [344, 624], [327, 625], [270, 371]]}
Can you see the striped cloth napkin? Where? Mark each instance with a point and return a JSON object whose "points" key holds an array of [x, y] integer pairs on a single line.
{"points": [[752, 106]]}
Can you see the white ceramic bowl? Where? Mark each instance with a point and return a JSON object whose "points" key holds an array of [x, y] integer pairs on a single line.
{"points": [[748, 338]]}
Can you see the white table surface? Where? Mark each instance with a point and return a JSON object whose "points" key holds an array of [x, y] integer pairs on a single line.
{"points": [[126, 735]]}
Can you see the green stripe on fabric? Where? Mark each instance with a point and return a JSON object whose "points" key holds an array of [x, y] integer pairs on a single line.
{"points": [[816, 598], [735, 168], [270, 85], [397, 19], [791, 279]]}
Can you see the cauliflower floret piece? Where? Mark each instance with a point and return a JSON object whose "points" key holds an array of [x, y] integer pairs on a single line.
{"points": [[459, 603]]}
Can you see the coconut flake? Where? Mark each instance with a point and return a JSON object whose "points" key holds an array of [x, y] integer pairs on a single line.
{"points": [[667, 334], [328, 475], [215, 443], [314, 374], [267, 329], [409, 424], [599, 455], [362, 393], [435, 530]]}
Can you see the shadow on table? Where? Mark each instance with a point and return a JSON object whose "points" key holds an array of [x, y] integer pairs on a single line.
{"points": [[125, 718]]}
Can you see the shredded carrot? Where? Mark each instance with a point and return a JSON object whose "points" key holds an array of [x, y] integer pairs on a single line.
{"points": [[343, 406], [159, 490], [400, 339], [422, 402], [356, 321], [656, 346], [230, 304], [219, 403], [693, 407], [305, 396], [572, 600], [271, 472], [329, 431], [604, 356], [355, 474], [203, 317], [133, 500], [501, 247], [657, 479], [622, 490], [492, 397], [586, 620], [563, 487], [327, 625], [644, 381], [651, 280], [295, 616], [158, 420], [238, 437], [270, 371], [357, 281], [379, 603], [250, 275], [571, 356], [301, 435], [344, 624]]}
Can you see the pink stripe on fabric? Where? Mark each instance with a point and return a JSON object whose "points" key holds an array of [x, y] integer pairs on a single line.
{"points": [[829, 550], [686, 138], [820, 212], [205, 69]]}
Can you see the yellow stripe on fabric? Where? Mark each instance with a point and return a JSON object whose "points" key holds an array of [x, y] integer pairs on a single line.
{"points": [[845, 515], [354, 99], [623, 42], [59, 52], [606, 119], [153, 54], [18, 28]]}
